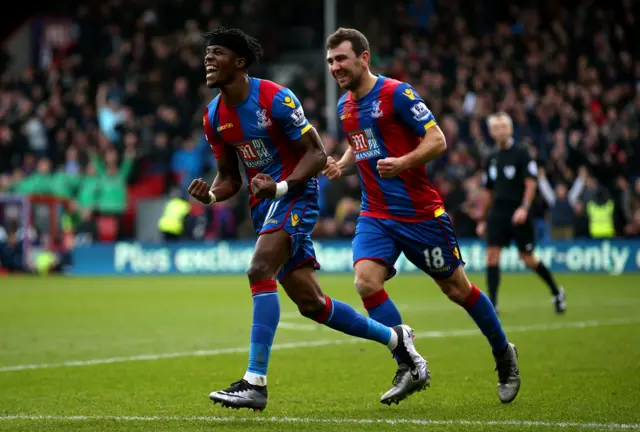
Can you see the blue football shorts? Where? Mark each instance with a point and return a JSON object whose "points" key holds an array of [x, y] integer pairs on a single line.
{"points": [[430, 245], [297, 215]]}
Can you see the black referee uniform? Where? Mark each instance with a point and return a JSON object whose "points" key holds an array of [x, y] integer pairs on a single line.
{"points": [[505, 176]]}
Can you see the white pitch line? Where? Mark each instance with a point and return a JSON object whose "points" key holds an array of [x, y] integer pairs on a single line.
{"points": [[294, 326], [316, 343], [511, 307], [257, 419]]}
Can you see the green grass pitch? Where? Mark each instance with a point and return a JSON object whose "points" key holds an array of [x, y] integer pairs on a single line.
{"points": [[134, 354]]}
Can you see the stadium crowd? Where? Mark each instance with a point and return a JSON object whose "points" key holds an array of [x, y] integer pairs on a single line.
{"points": [[117, 116]]}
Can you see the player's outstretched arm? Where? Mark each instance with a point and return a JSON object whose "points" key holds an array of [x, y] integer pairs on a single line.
{"points": [[227, 183], [313, 161]]}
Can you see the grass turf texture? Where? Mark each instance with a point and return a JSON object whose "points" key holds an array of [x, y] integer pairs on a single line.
{"points": [[578, 369]]}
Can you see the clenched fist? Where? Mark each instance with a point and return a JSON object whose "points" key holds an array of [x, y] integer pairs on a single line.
{"points": [[263, 186], [199, 189], [389, 167]]}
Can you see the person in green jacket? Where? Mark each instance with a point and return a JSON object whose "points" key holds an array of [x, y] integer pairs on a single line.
{"points": [[37, 183], [88, 187], [63, 185], [112, 197]]}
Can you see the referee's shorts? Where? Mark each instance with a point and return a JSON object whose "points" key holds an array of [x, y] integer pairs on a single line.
{"points": [[501, 231]]}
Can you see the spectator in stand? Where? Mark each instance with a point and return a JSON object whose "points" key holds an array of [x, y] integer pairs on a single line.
{"points": [[11, 253], [89, 185], [600, 214], [72, 164], [632, 209], [462, 200], [112, 192], [5, 184], [111, 114], [562, 204], [160, 155], [346, 216], [187, 163], [39, 182]]}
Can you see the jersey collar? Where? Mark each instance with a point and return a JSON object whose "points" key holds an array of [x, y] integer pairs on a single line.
{"points": [[373, 90], [510, 143]]}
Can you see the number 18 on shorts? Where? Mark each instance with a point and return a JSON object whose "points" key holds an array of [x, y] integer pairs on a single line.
{"points": [[430, 245]]}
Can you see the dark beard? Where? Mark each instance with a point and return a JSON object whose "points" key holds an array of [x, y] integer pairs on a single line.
{"points": [[217, 84], [354, 84]]}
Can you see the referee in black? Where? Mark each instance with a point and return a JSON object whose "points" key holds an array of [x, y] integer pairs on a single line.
{"points": [[510, 180]]}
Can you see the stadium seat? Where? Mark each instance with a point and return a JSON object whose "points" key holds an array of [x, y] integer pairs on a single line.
{"points": [[107, 228]]}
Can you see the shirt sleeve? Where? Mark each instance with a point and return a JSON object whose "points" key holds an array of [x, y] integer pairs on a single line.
{"points": [[489, 175], [217, 145], [287, 111], [412, 110], [528, 165]]}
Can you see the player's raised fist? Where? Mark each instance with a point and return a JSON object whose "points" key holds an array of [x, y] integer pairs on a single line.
{"points": [[332, 170], [263, 186], [199, 189], [389, 167]]}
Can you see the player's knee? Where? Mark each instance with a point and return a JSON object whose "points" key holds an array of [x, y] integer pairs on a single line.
{"points": [[456, 292], [370, 277], [310, 306], [457, 287], [529, 260], [259, 270], [367, 285]]}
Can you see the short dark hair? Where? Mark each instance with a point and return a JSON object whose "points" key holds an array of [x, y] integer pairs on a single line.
{"points": [[358, 41], [236, 40]]}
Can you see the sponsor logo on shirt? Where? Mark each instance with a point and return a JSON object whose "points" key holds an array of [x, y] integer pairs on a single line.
{"points": [[364, 144], [254, 154]]}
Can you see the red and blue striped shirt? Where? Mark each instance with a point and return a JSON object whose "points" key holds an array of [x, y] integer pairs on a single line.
{"points": [[390, 121], [260, 129]]}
